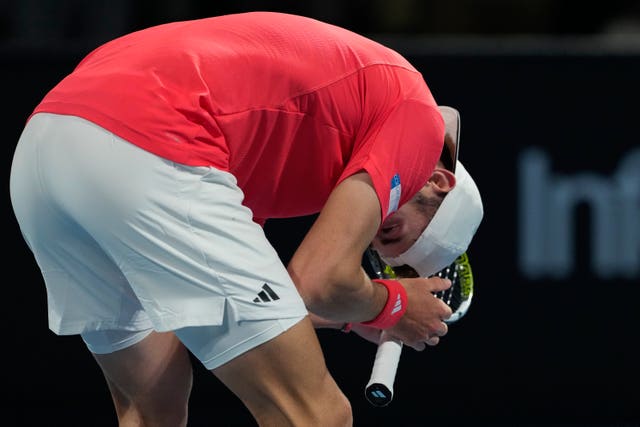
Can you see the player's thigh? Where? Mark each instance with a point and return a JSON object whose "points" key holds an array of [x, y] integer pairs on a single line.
{"points": [[287, 375], [153, 375]]}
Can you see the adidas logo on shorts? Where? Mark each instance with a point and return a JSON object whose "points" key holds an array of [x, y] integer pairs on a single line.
{"points": [[266, 295]]}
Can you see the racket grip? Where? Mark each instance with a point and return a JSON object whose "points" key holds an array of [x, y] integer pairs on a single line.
{"points": [[379, 390]]}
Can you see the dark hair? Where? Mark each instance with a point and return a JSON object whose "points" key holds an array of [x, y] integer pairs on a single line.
{"points": [[428, 205]]}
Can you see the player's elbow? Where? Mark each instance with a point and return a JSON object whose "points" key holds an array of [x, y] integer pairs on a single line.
{"points": [[330, 294]]}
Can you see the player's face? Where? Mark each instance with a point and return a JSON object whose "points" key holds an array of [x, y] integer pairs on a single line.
{"points": [[401, 229]]}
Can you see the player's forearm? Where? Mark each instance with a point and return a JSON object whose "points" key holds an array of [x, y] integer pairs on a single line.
{"points": [[320, 322], [327, 266], [341, 297]]}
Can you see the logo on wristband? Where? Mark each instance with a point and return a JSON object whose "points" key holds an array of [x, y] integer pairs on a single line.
{"points": [[397, 306], [394, 308]]}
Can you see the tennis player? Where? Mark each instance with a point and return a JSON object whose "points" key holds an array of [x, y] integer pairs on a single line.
{"points": [[142, 180]]}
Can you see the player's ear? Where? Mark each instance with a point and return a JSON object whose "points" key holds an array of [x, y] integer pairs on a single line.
{"points": [[442, 180]]}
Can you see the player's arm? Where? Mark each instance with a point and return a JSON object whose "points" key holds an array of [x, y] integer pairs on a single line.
{"points": [[327, 266]]}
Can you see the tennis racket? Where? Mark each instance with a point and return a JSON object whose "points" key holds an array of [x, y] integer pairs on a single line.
{"points": [[379, 389]]}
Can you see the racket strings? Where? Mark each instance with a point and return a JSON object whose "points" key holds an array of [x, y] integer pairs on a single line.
{"points": [[457, 296], [452, 296]]}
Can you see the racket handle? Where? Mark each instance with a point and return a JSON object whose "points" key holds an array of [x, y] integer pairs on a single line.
{"points": [[379, 390]]}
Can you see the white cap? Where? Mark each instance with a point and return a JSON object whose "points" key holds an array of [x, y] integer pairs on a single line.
{"points": [[454, 224]]}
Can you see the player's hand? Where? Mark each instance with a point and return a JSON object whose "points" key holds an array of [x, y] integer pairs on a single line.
{"points": [[423, 322]]}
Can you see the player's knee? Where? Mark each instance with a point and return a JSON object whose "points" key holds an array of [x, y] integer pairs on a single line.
{"points": [[343, 415], [165, 405], [174, 415], [335, 410], [327, 408], [169, 408]]}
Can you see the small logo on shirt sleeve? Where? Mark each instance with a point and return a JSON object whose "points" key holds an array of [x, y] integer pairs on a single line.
{"points": [[394, 194]]}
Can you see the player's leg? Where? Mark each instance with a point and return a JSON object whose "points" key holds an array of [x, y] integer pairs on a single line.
{"points": [[219, 262], [150, 381], [149, 374], [284, 382]]}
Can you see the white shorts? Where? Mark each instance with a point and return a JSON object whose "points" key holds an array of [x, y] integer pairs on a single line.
{"points": [[212, 345], [129, 241]]}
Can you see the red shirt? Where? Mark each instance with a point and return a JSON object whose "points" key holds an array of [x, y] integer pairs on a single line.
{"points": [[287, 104]]}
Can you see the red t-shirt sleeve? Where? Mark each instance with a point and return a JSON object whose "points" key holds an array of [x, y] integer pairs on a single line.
{"points": [[402, 154]]}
